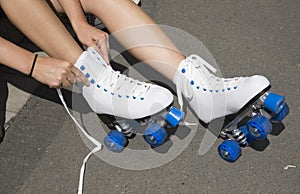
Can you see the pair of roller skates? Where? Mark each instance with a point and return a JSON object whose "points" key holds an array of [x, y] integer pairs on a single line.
{"points": [[210, 98]]}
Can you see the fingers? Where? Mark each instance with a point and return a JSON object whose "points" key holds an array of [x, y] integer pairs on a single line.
{"points": [[79, 77], [103, 48], [69, 75], [66, 83], [100, 40], [65, 77], [69, 80], [57, 73]]}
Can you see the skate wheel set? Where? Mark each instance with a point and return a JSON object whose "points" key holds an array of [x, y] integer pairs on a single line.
{"points": [[267, 109], [154, 133]]}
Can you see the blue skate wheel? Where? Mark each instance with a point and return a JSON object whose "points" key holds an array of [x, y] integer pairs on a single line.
{"points": [[282, 114], [274, 102], [115, 141], [259, 127], [174, 116], [229, 150], [155, 135]]}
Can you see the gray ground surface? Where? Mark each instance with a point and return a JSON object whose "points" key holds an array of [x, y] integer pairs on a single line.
{"points": [[42, 151]]}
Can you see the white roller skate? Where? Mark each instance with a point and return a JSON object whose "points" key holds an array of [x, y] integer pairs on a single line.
{"points": [[115, 94], [212, 97]]}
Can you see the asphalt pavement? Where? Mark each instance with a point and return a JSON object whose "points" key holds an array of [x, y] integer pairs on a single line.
{"points": [[42, 151]]}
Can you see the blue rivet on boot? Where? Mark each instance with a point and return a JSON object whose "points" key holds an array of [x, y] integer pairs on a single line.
{"points": [[192, 82], [82, 67], [183, 70]]}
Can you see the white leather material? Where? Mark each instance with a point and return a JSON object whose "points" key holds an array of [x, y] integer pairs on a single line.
{"points": [[113, 93], [212, 97]]}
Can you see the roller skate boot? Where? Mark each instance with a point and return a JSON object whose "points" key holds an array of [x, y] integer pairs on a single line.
{"points": [[117, 95], [233, 99]]}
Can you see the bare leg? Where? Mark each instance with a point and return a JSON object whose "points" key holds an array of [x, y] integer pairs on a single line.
{"points": [[142, 36], [43, 27], [138, 33]]}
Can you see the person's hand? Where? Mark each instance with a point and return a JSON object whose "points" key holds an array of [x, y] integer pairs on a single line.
{"points": [[57, 73], [93, 37]]}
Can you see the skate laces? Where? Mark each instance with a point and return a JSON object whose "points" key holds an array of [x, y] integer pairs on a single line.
{"points": [[121, 85], [92, 139], [200, 75], [114, 82]]}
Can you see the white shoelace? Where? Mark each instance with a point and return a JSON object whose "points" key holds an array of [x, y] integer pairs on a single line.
{"points": [[117, 83], [93, 140], [198, 74], [122, 85]]}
